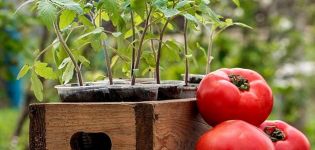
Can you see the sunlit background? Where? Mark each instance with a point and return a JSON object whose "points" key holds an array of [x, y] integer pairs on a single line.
{"points": [[280, 47]]}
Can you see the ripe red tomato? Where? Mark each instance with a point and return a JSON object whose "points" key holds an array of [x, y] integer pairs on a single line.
{"points": [[284, 136], [234, 94], [234, 135]]}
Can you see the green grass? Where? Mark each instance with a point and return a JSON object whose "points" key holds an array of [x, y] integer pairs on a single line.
{"points": [[8, 119]]}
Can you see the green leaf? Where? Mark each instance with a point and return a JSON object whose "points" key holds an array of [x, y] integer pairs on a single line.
{"points": [[172, 50], [85, 21], [96, 45], [112, 8], [64, 63], [191, 17], [47, 12], [148, 59], [189, 56], [138, 6], [23, 71], [116, 34], [114, 61], [99, 77], [229, 22], [104, 16], [182, 4], [147, 70], [206, 1], [95, 31], [237, 3], [42, 70], [69, 5], [23, 4], [242, 25], [209, 13], [36, 86], [173, 45], [202, 49], [66, 18], [170, 12], [128, 34], [68, 73], [83, 60], [160, 4]]}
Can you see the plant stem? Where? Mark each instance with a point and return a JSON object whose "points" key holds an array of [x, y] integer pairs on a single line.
{"points": [[209, 59], [51, 45], [140, 45], [133, 45], [68, 51], [109, 70], [186, 52], [158, 57], [152, 42], [103, 43]]}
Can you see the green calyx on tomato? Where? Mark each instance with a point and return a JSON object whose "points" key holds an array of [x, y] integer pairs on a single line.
{"points": [[274, 133], [240, 82]]}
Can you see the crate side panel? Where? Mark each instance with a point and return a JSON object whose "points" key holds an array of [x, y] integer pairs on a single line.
{"points": [[63, 120]]}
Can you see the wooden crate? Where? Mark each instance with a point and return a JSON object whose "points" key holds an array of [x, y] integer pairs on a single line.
{"points": [[154, 125]]}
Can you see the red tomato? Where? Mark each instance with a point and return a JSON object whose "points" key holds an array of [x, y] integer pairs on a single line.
{"points": [[234, 135], [234, 94], [284, 136]]}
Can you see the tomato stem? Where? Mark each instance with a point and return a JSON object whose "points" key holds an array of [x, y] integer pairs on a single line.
{"points": [[274, 133], [240, 82]]}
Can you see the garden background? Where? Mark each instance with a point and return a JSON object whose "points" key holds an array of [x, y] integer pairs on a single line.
{"points": [[280, 46]]}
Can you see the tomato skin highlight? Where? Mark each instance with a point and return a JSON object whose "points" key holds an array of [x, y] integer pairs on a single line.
{"points": [[218, 99], [293, 138], [234, 135]]}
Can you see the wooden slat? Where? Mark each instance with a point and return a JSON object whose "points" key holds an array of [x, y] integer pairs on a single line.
{"points": [[63, 120], [37, 127], [172, 124], [178, 125]]}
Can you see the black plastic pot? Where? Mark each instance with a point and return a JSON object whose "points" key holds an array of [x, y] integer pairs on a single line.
{"points": [[89, 92], [194, 78], [175, 89], [101, 91], [135, 93]]}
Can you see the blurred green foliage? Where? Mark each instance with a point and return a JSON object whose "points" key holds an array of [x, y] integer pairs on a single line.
{"points": [[280, 47], [8, 119]]}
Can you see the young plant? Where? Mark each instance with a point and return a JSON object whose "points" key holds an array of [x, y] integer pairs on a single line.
{"points": [[169, 11], [214, 24], [186, 53], [68, 18], [136, 61]]}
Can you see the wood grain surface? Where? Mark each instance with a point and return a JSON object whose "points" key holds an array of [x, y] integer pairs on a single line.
{"points": [[158, 125], [178, 125]]}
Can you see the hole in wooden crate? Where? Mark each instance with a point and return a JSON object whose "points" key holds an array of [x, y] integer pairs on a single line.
{"points": [[90, 141]]}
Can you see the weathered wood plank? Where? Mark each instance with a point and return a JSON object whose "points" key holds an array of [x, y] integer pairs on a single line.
{"points": [[63, 120], [173, 124], [177, 125], [37, 127]]}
